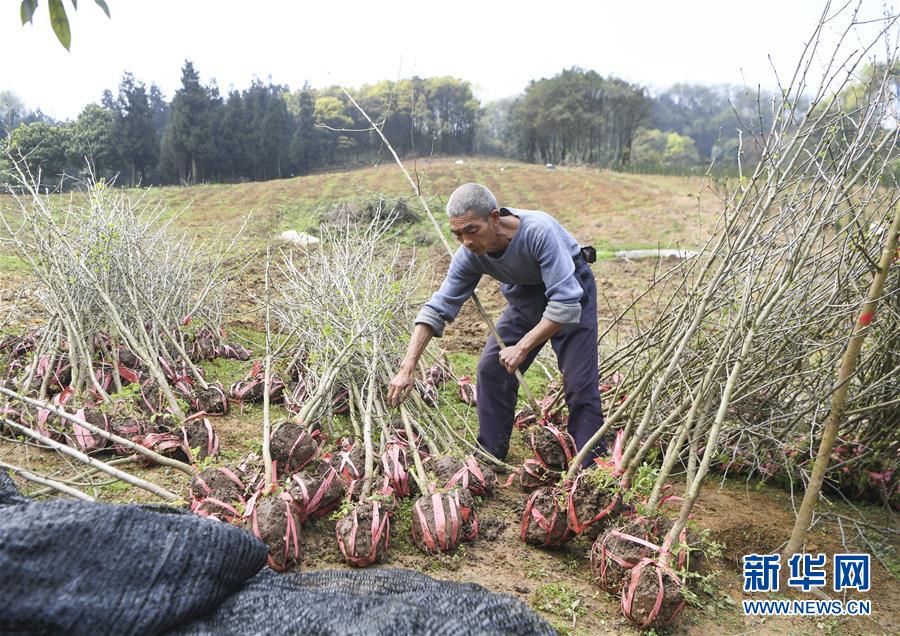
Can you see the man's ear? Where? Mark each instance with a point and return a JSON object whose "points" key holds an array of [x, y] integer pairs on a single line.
{"points": [[495, 215]]}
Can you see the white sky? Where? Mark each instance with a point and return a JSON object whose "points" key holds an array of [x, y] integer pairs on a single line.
{"points": [[498, 46]]}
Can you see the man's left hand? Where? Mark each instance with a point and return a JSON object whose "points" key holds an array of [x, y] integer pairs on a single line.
{"points": [[511, 358]]}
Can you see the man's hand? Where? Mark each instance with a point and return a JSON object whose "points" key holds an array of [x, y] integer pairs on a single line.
{"points": [[512, 357], [401, 386]]}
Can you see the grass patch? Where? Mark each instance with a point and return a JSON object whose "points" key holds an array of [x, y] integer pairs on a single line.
{"points": [[12, 263], [559, 602]]}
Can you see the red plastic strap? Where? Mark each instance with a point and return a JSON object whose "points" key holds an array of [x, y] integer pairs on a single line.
{"points": [[197, 507], [615, 463], [212, 440], [427, 538], [347, 462], [323, 488], [83, 437], [396, 473], [297, 441]]}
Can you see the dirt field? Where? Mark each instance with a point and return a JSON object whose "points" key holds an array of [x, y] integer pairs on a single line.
{"points": [[612, 211]]}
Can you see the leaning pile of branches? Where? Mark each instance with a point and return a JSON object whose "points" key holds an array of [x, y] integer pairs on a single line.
{"points": [[335, 330], [129, 308], [737, 368]]}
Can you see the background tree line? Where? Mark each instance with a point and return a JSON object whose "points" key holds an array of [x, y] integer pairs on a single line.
{"points": [[268, 131], [263, 132]]}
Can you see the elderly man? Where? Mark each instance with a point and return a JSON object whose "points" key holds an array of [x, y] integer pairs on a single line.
{"points": [[551, 294]]}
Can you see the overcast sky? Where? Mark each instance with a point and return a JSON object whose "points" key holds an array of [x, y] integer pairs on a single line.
{"points": [[498, 46]]}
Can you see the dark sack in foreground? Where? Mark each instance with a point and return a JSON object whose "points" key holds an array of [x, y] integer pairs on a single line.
{"points": [[88, 568], [85, 568]]}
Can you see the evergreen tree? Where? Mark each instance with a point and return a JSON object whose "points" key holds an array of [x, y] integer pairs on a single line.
{"points": [[187, 140], [305, 150], [135, 134]]}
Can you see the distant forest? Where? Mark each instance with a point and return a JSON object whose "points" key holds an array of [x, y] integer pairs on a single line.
{"points": [[268, 131]]}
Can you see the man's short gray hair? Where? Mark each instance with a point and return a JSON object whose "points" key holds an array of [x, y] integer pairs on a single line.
{"points": [[471, 197]]}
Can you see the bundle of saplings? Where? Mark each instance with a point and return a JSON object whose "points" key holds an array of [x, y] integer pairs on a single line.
{"points": [[341, 313], [129, 307]]}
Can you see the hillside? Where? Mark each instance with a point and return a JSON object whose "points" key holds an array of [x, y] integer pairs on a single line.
{"points": [[609, 209]]}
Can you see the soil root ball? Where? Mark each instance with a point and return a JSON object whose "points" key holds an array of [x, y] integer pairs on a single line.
{"points": [[152, 399], [292, 447], [273, 519], [467, 473], [552, 447], [83, 439], [395, 463], [441, 521], [234, 351], [535, 474], [525, 418], [619, 549], [222, 483], [316, 495], [198, 436], [350, 463], [592, 504], [544, 519], [363, 534], [251, 388], [130, 428], [652, 595], [468, 394], [166, 444], [212, 400], [203, 346]]}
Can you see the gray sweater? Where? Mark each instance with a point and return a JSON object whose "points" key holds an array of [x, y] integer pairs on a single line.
{"points": [[540, 252]]}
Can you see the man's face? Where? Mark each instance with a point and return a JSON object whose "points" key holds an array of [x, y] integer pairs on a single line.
{"points": [[478, 235]]}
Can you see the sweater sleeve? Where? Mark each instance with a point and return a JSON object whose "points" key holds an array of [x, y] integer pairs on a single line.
{"points": [[445, 303], [558, 273]]}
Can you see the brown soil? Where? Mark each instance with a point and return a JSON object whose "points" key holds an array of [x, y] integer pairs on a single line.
{"points": [[537, 477], [130, 428], [129, 360], [443, 467], [153, 400], [292, 447], [211, 400], [614, 575]]}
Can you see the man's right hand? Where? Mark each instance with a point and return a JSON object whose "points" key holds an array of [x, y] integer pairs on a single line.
{"points": [[400, 388]]}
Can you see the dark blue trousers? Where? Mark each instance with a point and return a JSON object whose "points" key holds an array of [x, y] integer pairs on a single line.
{"points": [[576, 351]]}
